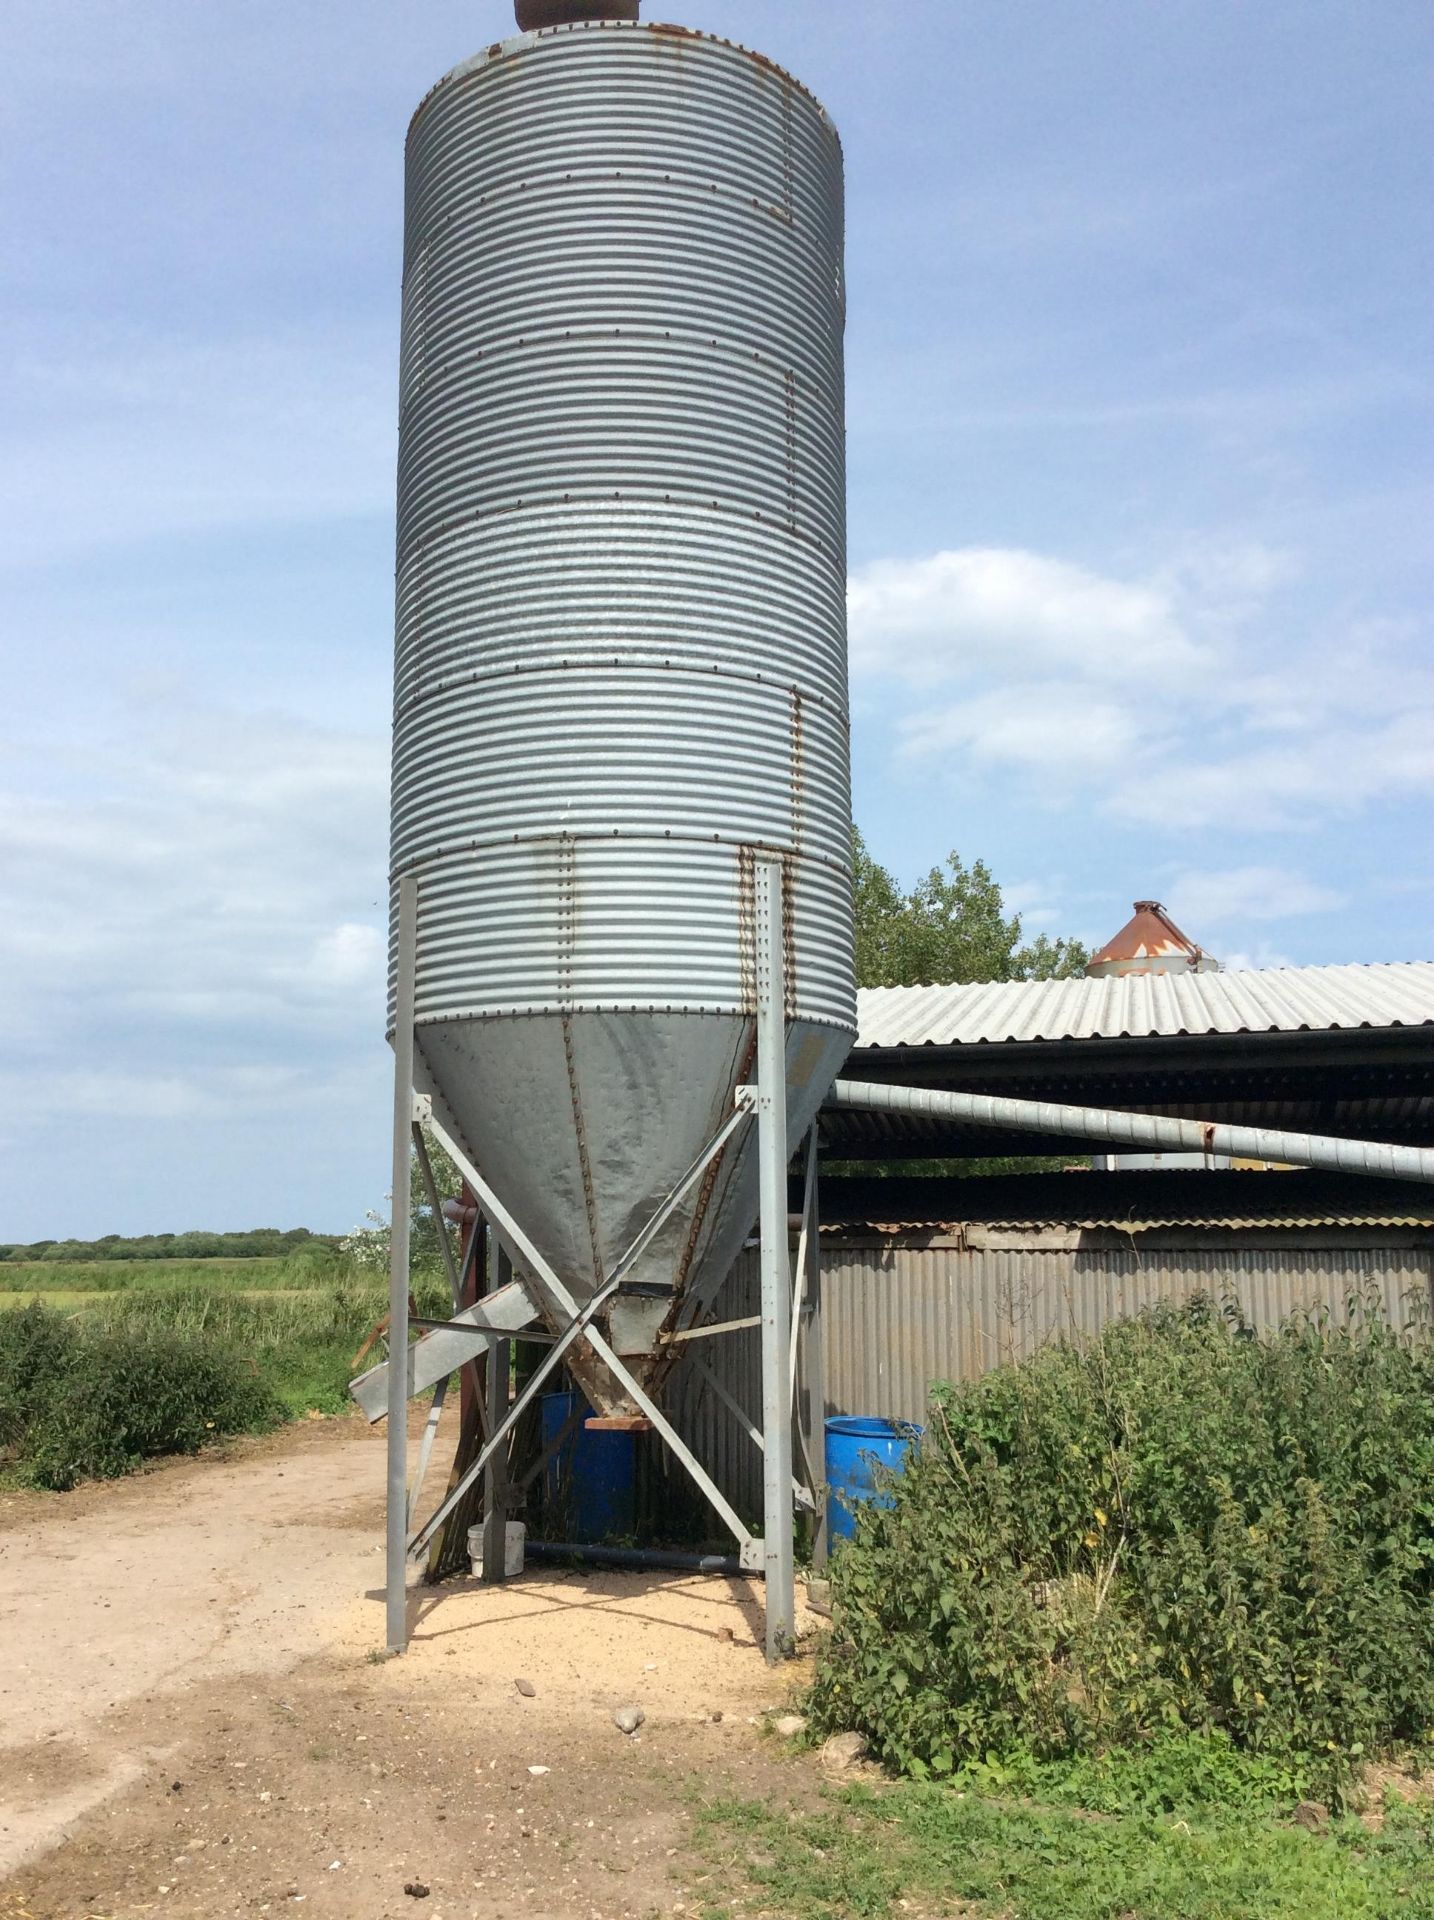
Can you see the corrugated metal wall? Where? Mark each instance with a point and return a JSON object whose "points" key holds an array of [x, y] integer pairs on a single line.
{"points": [[897, 1316]]}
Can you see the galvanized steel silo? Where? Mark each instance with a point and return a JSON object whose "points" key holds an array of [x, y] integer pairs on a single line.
{"points": [[621, 641]]}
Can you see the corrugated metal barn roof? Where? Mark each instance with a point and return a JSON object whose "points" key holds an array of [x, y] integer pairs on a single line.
{"points": [[1144, 1006]]}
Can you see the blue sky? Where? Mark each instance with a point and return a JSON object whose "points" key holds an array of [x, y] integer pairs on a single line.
{"points": [[1141, 499]]}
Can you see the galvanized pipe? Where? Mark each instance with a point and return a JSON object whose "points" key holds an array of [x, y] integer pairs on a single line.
{"points": [[776, 1262], [396, 1581], [1140, 1132]]}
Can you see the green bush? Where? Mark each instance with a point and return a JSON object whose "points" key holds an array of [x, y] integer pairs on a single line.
{"points": [[36, 1348], [80, 1399], [303, 1343], [1179, 1527]]}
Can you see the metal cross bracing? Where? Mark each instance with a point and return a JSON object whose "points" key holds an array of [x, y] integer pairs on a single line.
{"points": [[528, 1299]]}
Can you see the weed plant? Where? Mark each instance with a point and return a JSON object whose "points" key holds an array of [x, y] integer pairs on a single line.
{"points": [[156, 1370], [303, 1343], [83, 1401], [1180, 1526]]}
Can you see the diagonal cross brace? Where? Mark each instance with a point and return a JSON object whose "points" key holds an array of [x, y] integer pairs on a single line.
{"points": [[418, 1541], [515, 1306], [802, 1495], [549, 1281]]}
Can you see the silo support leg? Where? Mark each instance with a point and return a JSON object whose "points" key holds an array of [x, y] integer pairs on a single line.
{"points": [[777, 1545], [396, 1582]]}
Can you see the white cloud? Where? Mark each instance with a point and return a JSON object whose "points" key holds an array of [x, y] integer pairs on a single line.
{"points": [[1232, 576], [1244, 894], [348, 955], [958, 612], [1332, 765], [1049, 732], [1184, 696], [1258, 959], [131, 1096], [202, 923]]}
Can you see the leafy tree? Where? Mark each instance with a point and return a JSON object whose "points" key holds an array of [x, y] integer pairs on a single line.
{"points": [[951, 927], [253, 1243], [368, 1246]]}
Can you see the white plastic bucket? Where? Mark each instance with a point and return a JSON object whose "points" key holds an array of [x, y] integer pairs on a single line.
{"points": [[514, 1548]]}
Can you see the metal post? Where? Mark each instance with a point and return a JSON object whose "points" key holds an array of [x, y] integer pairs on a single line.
{"points": [[807, 1336], [471, 1403], [776, 1263], [495, 1476], [397, 1529]]}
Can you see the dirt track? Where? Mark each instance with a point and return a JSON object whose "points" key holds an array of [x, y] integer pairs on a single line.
{"points": [[191, 1721]]}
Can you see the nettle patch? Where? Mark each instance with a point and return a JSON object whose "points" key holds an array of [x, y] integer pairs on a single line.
{"points": [[1178, 1527]]}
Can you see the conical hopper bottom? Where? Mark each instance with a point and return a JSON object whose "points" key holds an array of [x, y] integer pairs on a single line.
{"points": [[583, 1123]]}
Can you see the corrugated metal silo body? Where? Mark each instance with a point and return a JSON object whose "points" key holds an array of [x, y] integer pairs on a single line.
{"points": [[621, 645]]}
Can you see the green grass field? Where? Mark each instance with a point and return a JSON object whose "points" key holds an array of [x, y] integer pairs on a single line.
{"points": [[287, 1271], [73, 1300], [65, 1298]]}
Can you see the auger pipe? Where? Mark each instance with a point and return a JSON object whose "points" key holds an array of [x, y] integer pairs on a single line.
{"points": [[1139, 1132]]}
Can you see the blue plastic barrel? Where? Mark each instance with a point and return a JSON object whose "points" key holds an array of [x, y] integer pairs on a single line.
{"points": [[856, 1447], [592, 1479]]}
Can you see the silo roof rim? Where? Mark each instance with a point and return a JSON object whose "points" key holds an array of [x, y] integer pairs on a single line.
{"points": [[499, 49]]}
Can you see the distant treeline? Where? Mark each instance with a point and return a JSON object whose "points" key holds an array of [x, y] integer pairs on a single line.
{"points": [[257, 1243]]}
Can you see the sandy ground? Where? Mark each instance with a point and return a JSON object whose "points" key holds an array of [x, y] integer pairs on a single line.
{"points": [[193, 1719]]}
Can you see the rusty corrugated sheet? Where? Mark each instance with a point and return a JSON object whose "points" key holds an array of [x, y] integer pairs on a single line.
{"points": [[1279, 1000], [898, 1317], [961, 1229]]}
